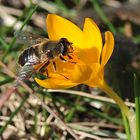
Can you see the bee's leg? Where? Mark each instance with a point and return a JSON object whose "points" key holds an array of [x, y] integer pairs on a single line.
{"points": [[69, 56], [63, 59], [54, 65], [47, 72], [44, 68]]}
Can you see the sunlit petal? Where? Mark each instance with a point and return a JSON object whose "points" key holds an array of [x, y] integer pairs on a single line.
{"points": [[89, 55], [108, 48], [94, 76], [59, 27], [81, 73], [92, 38], [55, 83], [96, 82]]}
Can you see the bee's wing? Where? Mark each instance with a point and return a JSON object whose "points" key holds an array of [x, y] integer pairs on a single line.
{"points": [[29, 38]]}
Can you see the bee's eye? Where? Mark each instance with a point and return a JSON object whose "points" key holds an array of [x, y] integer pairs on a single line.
{"points": [[65, 42]]}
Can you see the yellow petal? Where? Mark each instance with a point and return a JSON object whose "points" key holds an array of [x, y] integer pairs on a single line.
{"points": [[92, 34], [81, 73], [55, 83], [96, 75], [96, 82], [90, 53], [108, 48], [95, 70], [59, 27]]}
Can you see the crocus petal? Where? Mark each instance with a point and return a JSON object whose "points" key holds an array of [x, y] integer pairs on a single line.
{"points": [[96, 82], [92, 34], [95, 69], [88, 55], [81, 73], [108, 48], [94, 76], [56, 83], [59, 27], [92, 37]]}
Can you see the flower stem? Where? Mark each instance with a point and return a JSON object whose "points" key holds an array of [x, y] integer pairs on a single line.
{"points": [[104, 86], [130, 114]]}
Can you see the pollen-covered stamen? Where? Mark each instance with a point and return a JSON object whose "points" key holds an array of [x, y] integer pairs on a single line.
{"points": [[70, 58]]}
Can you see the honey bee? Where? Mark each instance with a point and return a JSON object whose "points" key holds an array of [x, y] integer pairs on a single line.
{"points": [[41, 52]]}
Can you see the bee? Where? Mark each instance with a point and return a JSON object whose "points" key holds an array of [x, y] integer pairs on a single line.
{"points": [[41, 52]]}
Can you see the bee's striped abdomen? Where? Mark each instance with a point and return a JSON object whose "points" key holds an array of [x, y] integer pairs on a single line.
{"points": [[29, 57]]}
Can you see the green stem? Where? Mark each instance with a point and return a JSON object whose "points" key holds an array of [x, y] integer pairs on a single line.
{"points": [[137, 103], [115, 97], [130, 114], [126, 126]]}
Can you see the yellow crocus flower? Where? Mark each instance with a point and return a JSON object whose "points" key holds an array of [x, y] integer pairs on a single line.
{"points": [[89, 49]]}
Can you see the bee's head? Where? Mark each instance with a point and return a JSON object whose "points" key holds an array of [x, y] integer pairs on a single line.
{"points": [[67, 46]]}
